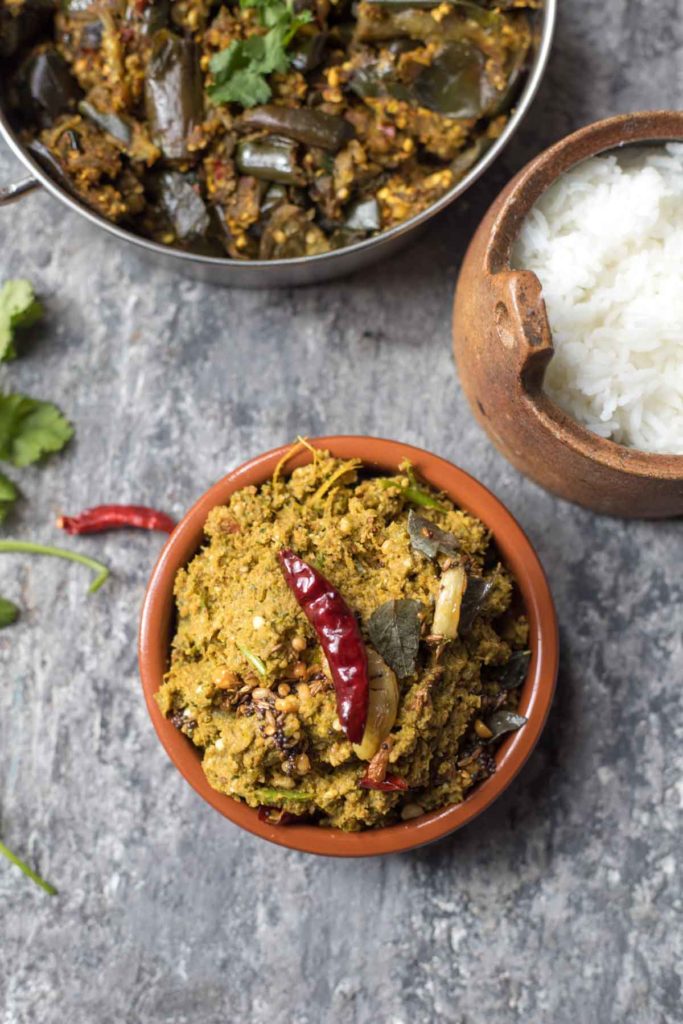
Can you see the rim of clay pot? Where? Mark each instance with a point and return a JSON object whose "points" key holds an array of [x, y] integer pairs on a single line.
{"points": [[640, 128], [516, 551]]}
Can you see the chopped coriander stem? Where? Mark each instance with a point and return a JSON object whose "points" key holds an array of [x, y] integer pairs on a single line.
{"points": [[253, 660], [27, 870], [29, 548]]}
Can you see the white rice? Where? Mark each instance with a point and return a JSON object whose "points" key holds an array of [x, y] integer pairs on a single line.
{"points": [[606, 241]]}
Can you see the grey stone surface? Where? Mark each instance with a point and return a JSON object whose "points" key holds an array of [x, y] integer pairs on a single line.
{"points": [[562, 903]]}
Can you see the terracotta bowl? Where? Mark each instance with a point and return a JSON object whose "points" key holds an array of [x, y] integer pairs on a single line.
{"points": [[158, 619], [503, 344]]}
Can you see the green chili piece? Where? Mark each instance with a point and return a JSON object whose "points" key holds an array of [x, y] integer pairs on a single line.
{"points": [[29, 548], [416, 495]]}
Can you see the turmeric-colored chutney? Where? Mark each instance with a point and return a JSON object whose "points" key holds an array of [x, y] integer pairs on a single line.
{"points": [[348, 648]]}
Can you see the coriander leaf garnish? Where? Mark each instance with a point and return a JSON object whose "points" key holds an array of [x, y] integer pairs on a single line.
{"points": [[239, 71], [8, 495], [23, 866], [30, 429], [19, 307], [8, 612]]}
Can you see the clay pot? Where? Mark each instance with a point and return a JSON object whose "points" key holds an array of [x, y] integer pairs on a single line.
{"points": [[503, 344], [157, 625]]}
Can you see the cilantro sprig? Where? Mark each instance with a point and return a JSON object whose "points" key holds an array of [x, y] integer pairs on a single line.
{"points": [[30, 429], [18, 308], [239, 71]]}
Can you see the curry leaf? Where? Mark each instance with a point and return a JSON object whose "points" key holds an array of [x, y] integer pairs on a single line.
{"points": [[394, 630], [515, 670], [474, 600], [427, 538], [501, 722], [8, 612]]}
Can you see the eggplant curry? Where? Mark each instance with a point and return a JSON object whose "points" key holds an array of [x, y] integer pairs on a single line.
{"points": [[262, 129]]}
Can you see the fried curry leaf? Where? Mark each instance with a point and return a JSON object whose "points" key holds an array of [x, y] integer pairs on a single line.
{"points": [[18, 308], [8, 612], [427, 538], [501, 722], [30, 429], [515, 671], [8, 495], [394, 630], [473, 601]]}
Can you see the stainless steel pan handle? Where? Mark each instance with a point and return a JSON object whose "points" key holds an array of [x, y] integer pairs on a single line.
{"points": [[18, 189]]}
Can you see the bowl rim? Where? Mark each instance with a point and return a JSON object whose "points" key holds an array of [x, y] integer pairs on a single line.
{"points": [[520, 196], [535, 75], [537, 693]]}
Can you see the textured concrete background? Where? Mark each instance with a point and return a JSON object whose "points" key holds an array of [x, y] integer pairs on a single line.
{"points": [[562, 903]]}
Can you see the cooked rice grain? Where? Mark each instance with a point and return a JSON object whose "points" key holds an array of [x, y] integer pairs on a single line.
{"points": [[606, 241]]}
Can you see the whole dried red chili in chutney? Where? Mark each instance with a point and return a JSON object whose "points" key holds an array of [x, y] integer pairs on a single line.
{"points": [[116, 517], [340, 639]]}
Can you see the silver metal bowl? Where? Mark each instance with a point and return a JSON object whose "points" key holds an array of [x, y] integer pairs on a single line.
{"points": [[307, 269]]}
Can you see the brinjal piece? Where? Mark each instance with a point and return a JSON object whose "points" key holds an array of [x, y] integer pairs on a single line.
{"points": [[108, 122], [275, 195], [364, 215], [49, 162], [308, 52], [179, 197], [173, 93], [270, 160], [47, 88], [455, 83], [154, 17], [311, 127], [377, 79], [467, 23]]}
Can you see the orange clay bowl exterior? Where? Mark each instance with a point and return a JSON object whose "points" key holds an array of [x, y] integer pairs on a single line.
{"points": [[157, 624], [503, 344]]}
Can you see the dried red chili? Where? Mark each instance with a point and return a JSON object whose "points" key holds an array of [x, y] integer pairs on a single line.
{"points": [[390, 784], [340, 639], [116, 517]]}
